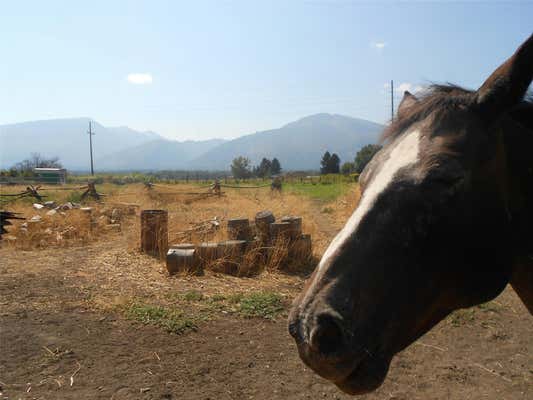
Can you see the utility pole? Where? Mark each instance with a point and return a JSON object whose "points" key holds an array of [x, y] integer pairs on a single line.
{"points": [[91, 146], [391, 100]]}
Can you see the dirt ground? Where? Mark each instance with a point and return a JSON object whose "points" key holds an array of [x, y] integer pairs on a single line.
{"points": [[64, 335]]}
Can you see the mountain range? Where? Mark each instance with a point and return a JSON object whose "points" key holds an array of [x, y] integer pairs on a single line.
{"points": [[298, 145]]}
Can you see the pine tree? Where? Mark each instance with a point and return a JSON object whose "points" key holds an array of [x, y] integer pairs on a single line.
{"points": [[334, 164], [275, 167], [324, 163]]}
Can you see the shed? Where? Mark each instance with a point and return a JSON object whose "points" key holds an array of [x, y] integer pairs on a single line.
{"points": [[51, 175]]}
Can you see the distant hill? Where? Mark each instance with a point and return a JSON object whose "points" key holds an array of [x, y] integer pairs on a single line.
{"points": [[66, 139], [158, 154], [298, 145]]}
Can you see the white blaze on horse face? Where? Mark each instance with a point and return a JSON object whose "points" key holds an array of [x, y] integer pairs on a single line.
{"points": [[404, 153]]}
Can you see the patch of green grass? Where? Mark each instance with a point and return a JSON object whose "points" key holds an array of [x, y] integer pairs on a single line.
{"points": [[462, 317], [325, 191], [260, 304], [490, 306], [217, 298], [193, 295], [172, 320], [74, 197], [264, 304]]}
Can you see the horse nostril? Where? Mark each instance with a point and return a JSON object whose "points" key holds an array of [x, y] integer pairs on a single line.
{"points": [[293, 329], [327, 336]]}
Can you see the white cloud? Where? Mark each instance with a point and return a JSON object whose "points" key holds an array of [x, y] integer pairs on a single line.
{"points": [[409, 87], [140, 79], [404, 86], [379, 45]]}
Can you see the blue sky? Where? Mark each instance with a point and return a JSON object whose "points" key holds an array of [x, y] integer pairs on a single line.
{"points": [[210, 69]]}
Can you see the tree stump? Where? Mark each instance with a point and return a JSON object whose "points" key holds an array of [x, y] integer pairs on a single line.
{"points": [[263, 219], [301, 249], [154, 232], [87, 215], [182, 260], [231, 253], [207, 254], [280, 231], [296, 226], [239, 229]]}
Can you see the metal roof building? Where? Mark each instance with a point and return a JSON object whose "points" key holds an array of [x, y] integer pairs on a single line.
{"points": [[56, 176]]}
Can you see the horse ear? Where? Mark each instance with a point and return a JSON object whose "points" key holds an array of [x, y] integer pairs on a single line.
{"points": [[508, 84], [407, 101]]}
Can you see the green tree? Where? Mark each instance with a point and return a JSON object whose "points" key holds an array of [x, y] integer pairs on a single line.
{"points": [[364, 155], [264, 169], [334, 164], [324, 163], [347, 168], [275, 167], [241, 167], [25, 167]]}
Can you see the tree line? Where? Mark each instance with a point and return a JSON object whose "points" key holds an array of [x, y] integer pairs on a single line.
{"points": [[25, 167], [241, 168], [331, 163]]}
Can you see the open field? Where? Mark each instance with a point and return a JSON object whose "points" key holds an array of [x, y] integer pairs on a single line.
{"points": [[85, 315]]}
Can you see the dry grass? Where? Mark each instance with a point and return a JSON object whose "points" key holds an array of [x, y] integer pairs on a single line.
{"points": [[189, 216]]}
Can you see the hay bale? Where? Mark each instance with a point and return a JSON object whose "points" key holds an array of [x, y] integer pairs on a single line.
{"points": [[263, 219], [239, 229], [181, 260], [154, 232], [296, 226], [231, 253]]}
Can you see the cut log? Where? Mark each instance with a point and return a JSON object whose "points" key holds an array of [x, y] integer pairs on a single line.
{"points": [[87, 215], [154, 232], [263, 219], [231, 253], [181, 260], [301, 249], [280, 231], [239, 229], [296, 226], [207, 254]]}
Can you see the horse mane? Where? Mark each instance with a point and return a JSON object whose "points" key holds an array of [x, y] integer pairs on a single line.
{"points": [[442, 102]]}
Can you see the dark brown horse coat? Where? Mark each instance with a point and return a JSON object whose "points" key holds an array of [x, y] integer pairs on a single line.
{"points": [[445, 221]]}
